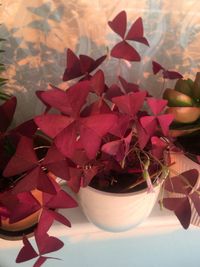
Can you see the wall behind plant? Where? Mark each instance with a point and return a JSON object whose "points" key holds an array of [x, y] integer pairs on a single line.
{"points": [[39, 31]]}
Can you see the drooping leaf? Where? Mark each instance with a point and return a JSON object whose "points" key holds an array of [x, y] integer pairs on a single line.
{"points": [[27, 252], [181, 207], [47, 244]]}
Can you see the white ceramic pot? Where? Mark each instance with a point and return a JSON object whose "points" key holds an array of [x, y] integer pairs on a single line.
{"points": [[116, 212], [180, 164]]}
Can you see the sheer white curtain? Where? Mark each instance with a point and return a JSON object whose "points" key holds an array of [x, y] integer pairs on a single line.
{"points": [[39, 31]]}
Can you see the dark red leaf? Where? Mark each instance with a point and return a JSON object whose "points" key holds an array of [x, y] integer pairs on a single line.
{"points": [[66, 140], [25, 206], [113, 91], [60, 201], [149, 123], [75, 179], [23, 160], [119, 129], [130, 103], [68, 102], [128, 87], [119, 24], [47, 244], [7, 110], [27, 252], [35, 179], [98, 83], [182, 209], [73, 69], [125, 51], [165, 120], [59, 123], [196, 201], [44, 224], [158, 147], [28, 128], [98, 107], [156, 67], [171, 75], [94, 128], [136, 32], [40, 261], [156, 105]]}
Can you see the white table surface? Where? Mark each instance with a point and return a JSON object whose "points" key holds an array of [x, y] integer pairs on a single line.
{"points": [[158, 242]]}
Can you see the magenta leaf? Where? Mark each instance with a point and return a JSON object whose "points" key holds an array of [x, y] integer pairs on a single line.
{"points": [[47, 244], [98, 107], [130, 103], [149, 124], [23, 160], [119, 129], [56, 163], [165, 120], [136, 32], [40, 261], [25, 206], [60, 201], [7, 110], [66, 140], [27, 252], [94, 128], [125, 51], [88, 64], [119, 24], [98, 83], [156, 105], [158, 147], [46, 121], [35, 179], [44, 224], [68, 102]]}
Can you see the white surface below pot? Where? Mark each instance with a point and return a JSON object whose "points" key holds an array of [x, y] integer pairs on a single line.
{"points": [[117, 212]]}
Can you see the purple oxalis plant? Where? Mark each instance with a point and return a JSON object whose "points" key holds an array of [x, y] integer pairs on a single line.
{"points": [[123, 125]]}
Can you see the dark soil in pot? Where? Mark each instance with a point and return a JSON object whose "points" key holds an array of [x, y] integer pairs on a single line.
{"points": [[124, 182]]}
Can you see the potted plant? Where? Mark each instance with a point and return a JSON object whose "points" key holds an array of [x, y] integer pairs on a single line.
{"points": [[116, 144], [108, 142]]}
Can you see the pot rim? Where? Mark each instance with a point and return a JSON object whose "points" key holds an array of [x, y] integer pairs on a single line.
{"points": [[121, 195]]}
